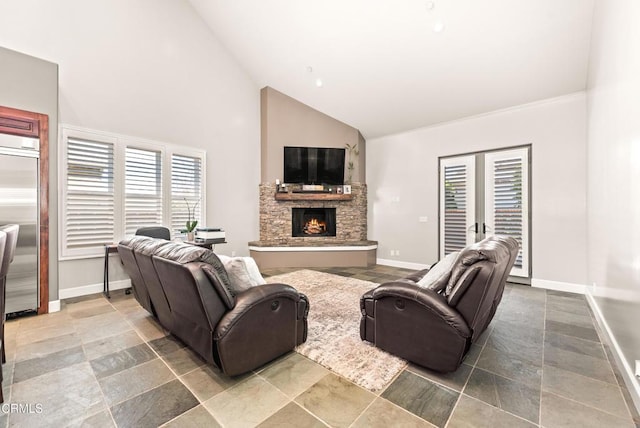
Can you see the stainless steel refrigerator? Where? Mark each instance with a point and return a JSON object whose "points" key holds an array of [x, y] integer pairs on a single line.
{"points": [[19, 159]]}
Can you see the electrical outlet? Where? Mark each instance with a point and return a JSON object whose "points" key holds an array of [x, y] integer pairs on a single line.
{"points": [[423, 219], [233, 254], [397, 252], [392, 253], [637, 368]]}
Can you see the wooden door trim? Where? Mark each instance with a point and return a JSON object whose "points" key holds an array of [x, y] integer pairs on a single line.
{"points": [[29, 124]]}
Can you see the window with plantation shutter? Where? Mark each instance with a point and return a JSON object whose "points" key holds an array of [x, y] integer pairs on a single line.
{"points": [[506, 200], [186, 188], [143, 189], [457, 203], [112, 185], [89, 200]]}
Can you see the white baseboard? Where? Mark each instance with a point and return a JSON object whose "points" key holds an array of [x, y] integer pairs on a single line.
{"points": [[559, 286], [54, 306], [627, 371], [400, 264], [67, 293]]}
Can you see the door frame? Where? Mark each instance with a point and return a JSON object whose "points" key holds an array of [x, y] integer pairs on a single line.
{"points": [[529, 147], [35, 125]]}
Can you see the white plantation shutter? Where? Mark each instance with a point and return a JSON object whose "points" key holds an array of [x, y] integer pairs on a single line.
{"points": [[143, 189], [507, 199], [457, 203], [89, 204], [186, 183], [111, 185]]}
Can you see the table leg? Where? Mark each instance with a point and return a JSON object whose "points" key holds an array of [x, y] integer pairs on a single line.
{"points": [[105, 286]]}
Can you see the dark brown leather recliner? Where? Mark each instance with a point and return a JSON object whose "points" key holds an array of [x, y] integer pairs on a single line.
{"points": [[188, 290], [434, 327]]}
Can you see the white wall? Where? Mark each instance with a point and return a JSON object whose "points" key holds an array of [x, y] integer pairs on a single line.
{"points": [[31, 84], [614, 173], [150, 69], [405, 166]]}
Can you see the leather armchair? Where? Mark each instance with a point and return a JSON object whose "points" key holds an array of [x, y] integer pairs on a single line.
{"points": [[435, 328], [188, 289]]}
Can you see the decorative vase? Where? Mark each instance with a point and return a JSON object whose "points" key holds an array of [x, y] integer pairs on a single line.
{"points": [[190, 236]]}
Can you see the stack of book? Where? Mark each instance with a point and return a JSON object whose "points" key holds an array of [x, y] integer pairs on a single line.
{"points": [[210, 235]]}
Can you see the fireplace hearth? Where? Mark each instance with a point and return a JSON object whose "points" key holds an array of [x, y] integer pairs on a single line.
{"points": [[313, 222]]}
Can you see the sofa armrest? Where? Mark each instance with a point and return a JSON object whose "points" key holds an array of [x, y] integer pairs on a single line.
{"points": [[429, 299], [253, 297], [417, 276], [268, 321]]}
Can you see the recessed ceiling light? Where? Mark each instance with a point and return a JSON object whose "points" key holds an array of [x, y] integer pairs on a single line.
{"points": [[438, 27], [319, 83]]}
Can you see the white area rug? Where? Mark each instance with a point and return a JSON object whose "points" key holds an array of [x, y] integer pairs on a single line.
{"points": [[333, 338]]}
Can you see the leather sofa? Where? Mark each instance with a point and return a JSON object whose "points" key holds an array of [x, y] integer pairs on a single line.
{"points": [[236, 327], [434, 324]]}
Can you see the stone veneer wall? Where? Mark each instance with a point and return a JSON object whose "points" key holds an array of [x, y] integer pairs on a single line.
{"points": [[275, 217]]}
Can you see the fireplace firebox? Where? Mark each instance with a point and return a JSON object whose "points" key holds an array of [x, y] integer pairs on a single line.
{"points": [[313, 222]]}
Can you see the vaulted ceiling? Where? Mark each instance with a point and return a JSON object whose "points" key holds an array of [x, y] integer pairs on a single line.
{"points": [[387, 66]]}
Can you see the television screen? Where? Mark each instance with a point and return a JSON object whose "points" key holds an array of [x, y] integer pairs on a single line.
{"points": [[314, 165]]}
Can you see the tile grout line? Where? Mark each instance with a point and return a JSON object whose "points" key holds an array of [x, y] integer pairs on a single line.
{"points": [[146, 342], [610, 366], [544, 346], [473, 368], [104, 398], [258, 374]]}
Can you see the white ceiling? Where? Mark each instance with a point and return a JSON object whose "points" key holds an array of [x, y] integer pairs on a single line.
{"points": [[385, 70]]}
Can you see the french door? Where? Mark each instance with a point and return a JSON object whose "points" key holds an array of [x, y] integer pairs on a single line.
{"points": [[485, 194]]}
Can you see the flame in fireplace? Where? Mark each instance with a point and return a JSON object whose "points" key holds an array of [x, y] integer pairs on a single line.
{"points": [[315, 227]]}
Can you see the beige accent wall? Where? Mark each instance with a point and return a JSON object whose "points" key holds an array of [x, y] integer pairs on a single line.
{"points": [[288, 122]]}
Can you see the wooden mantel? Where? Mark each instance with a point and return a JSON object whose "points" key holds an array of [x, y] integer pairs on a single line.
{"points": [[312, 197]]}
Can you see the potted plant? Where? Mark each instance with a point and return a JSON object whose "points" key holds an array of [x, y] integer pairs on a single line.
{"points": [[352, 156], [191, 223]]}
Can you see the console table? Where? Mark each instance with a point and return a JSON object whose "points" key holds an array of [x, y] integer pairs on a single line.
{"points": [[108, 249]]}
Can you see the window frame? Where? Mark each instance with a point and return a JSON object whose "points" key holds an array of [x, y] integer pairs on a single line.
{"points": [[120, 144]]}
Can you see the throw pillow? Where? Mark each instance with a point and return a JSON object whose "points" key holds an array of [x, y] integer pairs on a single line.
{"points": [[437, 277], [238, 275], [254, 272], [243, 272]]}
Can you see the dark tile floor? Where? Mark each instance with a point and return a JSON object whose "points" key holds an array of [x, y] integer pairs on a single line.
{"points": [[105, 363]]}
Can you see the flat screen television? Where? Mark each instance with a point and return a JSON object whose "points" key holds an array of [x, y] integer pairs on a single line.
{"points": [[314, 165]]}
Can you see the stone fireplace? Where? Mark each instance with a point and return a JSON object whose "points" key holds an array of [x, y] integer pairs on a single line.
{"points": [[313, 222], [277, 216], [306, 230]]}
